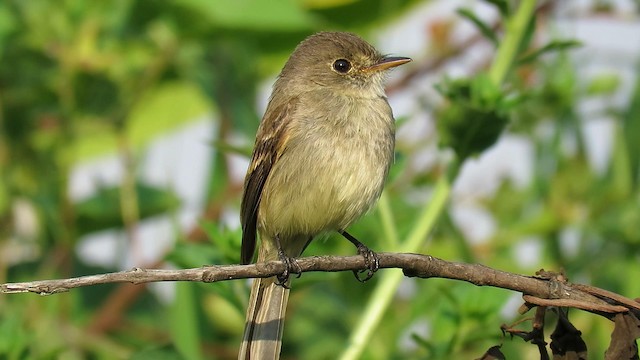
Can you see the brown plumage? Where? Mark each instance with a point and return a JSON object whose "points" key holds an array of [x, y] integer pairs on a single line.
{"points": [[321, 156]]}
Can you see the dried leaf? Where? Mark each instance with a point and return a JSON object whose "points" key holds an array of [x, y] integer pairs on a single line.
{"points": [[566, 340], [623, 339], [493, 353]]}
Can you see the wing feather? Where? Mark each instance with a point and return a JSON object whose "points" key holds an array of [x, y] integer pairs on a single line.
{"points": [[270, 144]]}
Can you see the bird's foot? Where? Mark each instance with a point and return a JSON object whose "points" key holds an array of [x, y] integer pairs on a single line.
{"points": [[290, 267], [370, 258]]}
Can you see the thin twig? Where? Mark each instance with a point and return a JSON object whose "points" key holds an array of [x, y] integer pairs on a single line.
{"points": [[413, 265]]}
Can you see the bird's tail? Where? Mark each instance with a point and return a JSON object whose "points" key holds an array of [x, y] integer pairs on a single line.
{"points": [[265, 320]]}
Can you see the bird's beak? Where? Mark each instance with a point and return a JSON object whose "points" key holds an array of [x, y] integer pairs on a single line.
{"points": [[387, 63]]}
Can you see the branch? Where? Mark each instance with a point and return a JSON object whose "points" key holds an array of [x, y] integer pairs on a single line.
{"points": [[546, 289]]}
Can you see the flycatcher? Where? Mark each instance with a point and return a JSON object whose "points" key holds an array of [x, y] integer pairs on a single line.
{"points": [[320, 160]]}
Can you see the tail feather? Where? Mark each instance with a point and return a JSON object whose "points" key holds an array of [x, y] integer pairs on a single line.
{"points": [[265, 320]]}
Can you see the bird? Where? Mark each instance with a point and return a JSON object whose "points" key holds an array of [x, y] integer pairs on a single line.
{"points": [[320, 160]]}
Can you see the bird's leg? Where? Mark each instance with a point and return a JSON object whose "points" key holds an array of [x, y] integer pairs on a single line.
{"points": [[290, 266], [370, 257]]}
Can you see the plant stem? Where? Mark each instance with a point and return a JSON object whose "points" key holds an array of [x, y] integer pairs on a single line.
{"points": [[386, 289], [516, 27], [388, 222]]}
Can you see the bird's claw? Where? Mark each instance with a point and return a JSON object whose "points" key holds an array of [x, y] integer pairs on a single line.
{"points": [[371, 260], [290, 266]]}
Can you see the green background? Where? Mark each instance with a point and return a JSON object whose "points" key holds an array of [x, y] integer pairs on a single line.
{"points": [[81, 79]]}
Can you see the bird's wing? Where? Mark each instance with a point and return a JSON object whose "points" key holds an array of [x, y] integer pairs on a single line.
{"points": [[270, 143]]}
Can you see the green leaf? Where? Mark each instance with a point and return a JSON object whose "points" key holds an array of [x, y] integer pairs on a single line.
{"points": [[475, 116], [184, 322], [155, 114], [483, 27], [222, 308], [103, 211], [282, 15], [225, 240], [502, 5], [4, 198], [14, 339], [363, 14], [165, 353], [631, 129], [603, 84], [8, 24], [191, 255], [556, 45], [323, 4], [95, 93]]}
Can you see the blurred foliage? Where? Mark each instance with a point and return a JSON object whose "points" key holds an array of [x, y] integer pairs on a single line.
{"points": [[81, 79], [478, 99]]}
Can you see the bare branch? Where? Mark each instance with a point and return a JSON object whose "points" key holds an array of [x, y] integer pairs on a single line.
{"points": [[555, 289]]}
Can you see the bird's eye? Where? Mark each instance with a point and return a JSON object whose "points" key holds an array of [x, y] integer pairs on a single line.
{"points": [[342, 66]]}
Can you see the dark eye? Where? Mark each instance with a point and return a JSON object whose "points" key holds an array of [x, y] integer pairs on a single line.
{"points": [[342, 66]]}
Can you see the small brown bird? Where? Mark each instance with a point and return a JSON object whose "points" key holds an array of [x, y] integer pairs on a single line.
{"points": [[320, 160]]}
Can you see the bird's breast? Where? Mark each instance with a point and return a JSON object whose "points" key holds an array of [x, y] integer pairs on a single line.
{"points": [[332, 171]]}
